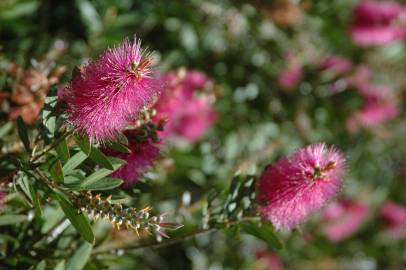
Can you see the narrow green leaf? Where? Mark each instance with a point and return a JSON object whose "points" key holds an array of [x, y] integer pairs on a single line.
{"points": [[118, 147], [36, 203], [52, 220], [5, 129], [50, 124], [23, 133], [78, 220], [41, 265], [264, 232], [89, 16], [97, 156], [79, 259], [11, 219], [84, 144], [73, 162], [24, 184], [96, 176], [56, 171], [63, 151], [106, 183], [60, 265], [47, 114]]}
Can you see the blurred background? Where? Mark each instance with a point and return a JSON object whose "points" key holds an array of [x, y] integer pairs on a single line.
{"points": [[285, 73]]}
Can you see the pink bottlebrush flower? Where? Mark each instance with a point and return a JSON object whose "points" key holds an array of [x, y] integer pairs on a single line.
{"points": [[374, 112], [291, 189], [379, 106], [343, 219], [336, 64], [141, 157], [378, 23], [394, 216], [378, 92], [271, 261], [189, 113], [109, 92], [290, 77]]}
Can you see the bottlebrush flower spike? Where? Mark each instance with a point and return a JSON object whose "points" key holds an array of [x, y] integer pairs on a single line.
{"points": [[187, 106], [291, 189], [378, 23], [123, 217], [394, 216], [343, 219], [109, 92], [138, 160]]}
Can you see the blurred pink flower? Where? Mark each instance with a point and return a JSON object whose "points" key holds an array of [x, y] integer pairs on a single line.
{"points": [[380, 105], [343, 219], [271, 260], [290, 77], [394, 216], [109, 92], [141, 157], [375, 91], [186, 106], [378, 23], [291, 189], [374, 112], [338, 65]]}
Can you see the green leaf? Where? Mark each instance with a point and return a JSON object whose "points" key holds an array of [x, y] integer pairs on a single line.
{"points": [[97, 156], [56, 171], [63, 151], [264, 232], [84, 144], [73, 162], [52, 220], [106, 183], [11, 219], [48, 118], [96, 176], [36, 203], [78, 220], [60, 265], [90, 16], [5, 129], [119, 147], [41, 265], [23, 133], [24, 184], [79, 259], [21, 9]]}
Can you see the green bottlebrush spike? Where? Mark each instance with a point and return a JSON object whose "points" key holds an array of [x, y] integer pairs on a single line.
{"points": [[123, 217]]}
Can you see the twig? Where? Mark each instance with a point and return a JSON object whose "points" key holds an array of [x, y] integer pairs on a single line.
{"points": [[50, 147], [168, 242]]}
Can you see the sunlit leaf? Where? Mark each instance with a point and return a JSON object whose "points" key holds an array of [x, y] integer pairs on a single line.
{"points": [[73, 162], [97, 156], [77, 219], [23, 133], [80, 257], [63, 151], [11, 219]]}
